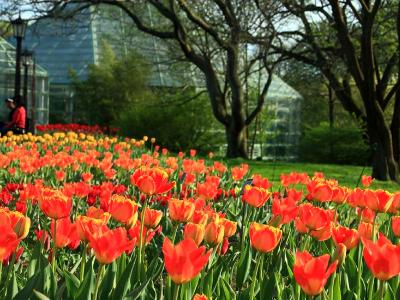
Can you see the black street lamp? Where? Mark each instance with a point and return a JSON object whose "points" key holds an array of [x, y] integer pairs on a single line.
{"points": [[19, 27]]}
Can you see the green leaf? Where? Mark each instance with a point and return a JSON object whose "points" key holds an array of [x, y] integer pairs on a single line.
{"points": [[72, 284], [108, 283], [26, 292], [40, 296], [229, 293], [243, 268], [12, 288], [87, 285], [337, 294], [138, 291], [124, 283]]}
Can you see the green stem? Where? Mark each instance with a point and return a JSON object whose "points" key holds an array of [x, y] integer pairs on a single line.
{"points": [[332, 286], [83, 262], [141, 254], [53, 258], [253, 281], [176, 292], [96, 291], [244, 217], [373, 228], [174, 230], [381, 289]]}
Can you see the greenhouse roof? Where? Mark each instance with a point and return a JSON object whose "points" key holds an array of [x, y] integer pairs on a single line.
{"points": [[7, 59]]}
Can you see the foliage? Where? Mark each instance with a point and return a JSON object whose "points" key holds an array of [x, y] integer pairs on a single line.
{"points": [[111, 88], [344, 145], [179, 119]]}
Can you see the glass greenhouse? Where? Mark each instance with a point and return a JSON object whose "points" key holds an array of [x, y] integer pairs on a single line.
{"points": [[37, 85], [73, 44]]}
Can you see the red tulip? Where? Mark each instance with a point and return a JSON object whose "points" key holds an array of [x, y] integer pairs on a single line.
{"points": [[109, 245], [312, 273], [255, 196], [382, 257], [55, 204], [347, 236], [184, 261], [396, 225], [66, 233], [152, 217]]}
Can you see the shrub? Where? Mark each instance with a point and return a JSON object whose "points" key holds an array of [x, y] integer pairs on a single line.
{"points": [[323, 144]]}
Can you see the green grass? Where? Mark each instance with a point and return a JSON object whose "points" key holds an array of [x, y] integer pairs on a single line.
{"points": [[346, 175]]}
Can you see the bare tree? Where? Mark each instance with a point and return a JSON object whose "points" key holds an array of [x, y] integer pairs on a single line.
{"points": [[348, 42], [214, 35]]}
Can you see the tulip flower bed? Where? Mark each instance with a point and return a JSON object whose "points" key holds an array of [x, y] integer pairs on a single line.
{"points": [[104, 218], [87, 129]]}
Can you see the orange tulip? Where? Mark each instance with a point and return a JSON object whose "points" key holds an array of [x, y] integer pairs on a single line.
{"points": [[97, 213], [199, 297], [315, 220], [184, 261], [55, 204], [152, 181], [134, 234], [8, 241], [255, 196], [239, 172], [180, 210], [396, 225], [347, 236], [19, 222], [152, 217], [123, 210], [382, 257], [214, 233], [378, 200], [365, 230], [229, 227], [87, 226], [66, 233], [312, 273], [199, 217], [264, 238], [109, 245], [195, 232]]}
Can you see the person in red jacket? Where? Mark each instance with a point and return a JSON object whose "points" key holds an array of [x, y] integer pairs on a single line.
{"points": [[17, 117]]}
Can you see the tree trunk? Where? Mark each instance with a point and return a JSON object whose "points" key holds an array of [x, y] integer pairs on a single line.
{"points": [[384, 165], [237, 141]]}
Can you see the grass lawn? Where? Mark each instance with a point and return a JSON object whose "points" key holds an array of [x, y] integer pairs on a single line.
{"points": [[346, 175]]}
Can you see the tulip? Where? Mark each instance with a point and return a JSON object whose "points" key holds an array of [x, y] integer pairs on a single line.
{"points": [[180, 210], [239, 172], [382, 257], [312, 273], [55, 204], [347, 236], [264, 238], [396, 226], [152, 217], [123, 210], [255, 196], [20, 223], [214, 233], [229, 227], [152, 181], [365, 230], [184, 261], [195, 232], [66, 233], [87, 226], [199, 297], [314, 220], [109, 245], [8, 241]]}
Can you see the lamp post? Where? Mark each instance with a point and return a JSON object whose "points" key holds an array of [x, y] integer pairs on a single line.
{"points": [[19, 27]]}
